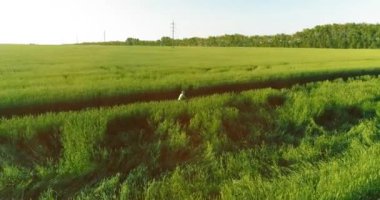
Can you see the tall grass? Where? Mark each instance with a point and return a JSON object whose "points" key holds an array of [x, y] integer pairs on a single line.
{"points": [[35, 75], [318, 141]]}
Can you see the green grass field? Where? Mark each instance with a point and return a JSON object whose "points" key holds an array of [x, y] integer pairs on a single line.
{"points": [[309, 141], [35, 75]]}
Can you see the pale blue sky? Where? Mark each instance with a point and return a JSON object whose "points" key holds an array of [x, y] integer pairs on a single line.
{"points": [[65, 21]]}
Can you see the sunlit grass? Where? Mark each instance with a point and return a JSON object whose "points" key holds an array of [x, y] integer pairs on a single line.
{"points": [[44, 74], [264, 144]]}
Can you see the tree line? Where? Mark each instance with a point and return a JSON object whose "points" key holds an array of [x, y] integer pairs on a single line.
{"points": [[323, 36]]}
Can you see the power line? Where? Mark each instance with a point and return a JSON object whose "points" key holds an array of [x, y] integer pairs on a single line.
{"points": [[173, 31]]}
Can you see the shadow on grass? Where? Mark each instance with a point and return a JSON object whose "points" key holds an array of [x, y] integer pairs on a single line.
{"points": [[45, 146], [132, 141], [342, 118], [127, 140], [42, 149], [253, 121]]}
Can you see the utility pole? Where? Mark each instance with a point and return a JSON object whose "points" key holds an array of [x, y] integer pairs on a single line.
{"points": [[173, 30], [104, 35]]}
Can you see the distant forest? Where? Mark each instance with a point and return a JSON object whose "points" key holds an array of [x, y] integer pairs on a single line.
{"points": [[340, 36]]}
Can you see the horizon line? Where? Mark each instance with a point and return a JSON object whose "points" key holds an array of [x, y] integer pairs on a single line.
{"points": [[182, 38]]}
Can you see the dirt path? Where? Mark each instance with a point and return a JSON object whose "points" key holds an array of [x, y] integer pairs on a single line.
{"points": [[173, 94]]}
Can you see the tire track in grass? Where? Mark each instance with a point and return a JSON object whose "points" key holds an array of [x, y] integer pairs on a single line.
{"points": [[148, 96]]}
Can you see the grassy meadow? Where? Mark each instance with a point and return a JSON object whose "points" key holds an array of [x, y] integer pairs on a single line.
{"points": [[38, 75], [311, 141]]}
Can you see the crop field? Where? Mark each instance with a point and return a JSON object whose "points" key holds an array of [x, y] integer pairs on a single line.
{"points": [[103, 122], [38, 79]]}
